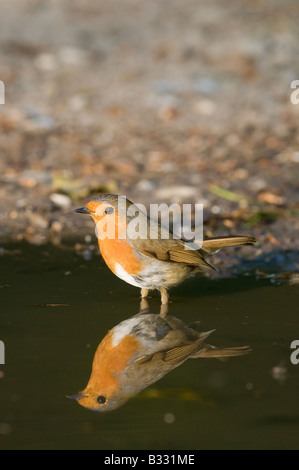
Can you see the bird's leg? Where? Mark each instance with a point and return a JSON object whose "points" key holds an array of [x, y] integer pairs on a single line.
{"points": [[144, 303], [144, 307], [144, 293], [163, 310], [164, 295], [164, 302]]}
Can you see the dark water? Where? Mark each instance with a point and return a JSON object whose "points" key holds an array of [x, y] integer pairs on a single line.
{"points": [[248, 402]]}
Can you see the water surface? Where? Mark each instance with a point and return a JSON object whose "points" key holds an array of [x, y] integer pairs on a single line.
{"points": [[57, 305]]}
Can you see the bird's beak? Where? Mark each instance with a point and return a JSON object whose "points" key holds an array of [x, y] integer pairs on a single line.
{"points": [[76, 396], [83, 210]]}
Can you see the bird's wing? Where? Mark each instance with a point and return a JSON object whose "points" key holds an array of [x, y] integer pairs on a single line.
{"points": [[211, 245], [173, 356], [212, 351], [171, 250], [181, 254]]}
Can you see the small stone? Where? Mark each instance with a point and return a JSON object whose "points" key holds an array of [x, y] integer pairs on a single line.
{"points": [[38, 221], [77, 102], [257, 184], [46, 62], [271, 198], [61, 200], [56, 226], [241, 174], [206, 85], [232, 140], [294, 278], [176, 192], [13, 214], [37, 121], [145, 185], [229, 223], [215, 210], [168, 113], [295, 157], [205, 107], [72, 56]]}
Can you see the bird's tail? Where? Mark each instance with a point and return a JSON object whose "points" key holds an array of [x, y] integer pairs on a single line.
{"points": [[213, 351], [211, 245]]}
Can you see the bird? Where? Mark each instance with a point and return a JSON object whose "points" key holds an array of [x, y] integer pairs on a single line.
{"points": [[140, 351], [149, 262]]}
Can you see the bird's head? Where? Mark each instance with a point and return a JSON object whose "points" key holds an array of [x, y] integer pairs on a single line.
{"points": [[110, 214], [95, 399]]}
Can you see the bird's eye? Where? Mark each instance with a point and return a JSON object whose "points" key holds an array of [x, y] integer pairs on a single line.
{"points": [[109, 210], [101, 399]]}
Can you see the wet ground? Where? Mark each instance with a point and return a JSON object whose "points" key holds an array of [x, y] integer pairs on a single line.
{"points": [[57, 305], [161, 101]]}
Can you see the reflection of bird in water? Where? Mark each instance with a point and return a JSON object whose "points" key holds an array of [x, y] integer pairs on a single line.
{"points": [[138, 352], [156, 259]]}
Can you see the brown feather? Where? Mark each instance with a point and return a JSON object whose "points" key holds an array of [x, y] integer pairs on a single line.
{"points": [[214, 244], [178, 252], [212, 351], [190, 257], [176, 355], [181, 353], [171, 250]]}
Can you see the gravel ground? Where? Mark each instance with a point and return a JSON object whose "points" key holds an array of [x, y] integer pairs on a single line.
{"points": [[163, 101]]}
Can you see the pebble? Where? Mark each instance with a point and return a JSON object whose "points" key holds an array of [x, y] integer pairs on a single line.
{"points": [[205, 107], [295, 157], [176, 192], [145, 185], [206, 85], [60, 200], [77, 102], [37, 221], [46, 62], [257, 184], [36, 120], [72, 56]]}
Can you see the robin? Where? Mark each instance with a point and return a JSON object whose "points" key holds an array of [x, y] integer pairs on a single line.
{"points": [[148, 262], [138, 352]]}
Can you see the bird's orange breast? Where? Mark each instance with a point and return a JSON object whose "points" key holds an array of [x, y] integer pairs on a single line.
{"points": [[120, 252], [109, 361]]}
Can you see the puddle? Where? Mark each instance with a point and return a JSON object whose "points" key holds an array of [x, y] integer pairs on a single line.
{"points": [[56, 307]]}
